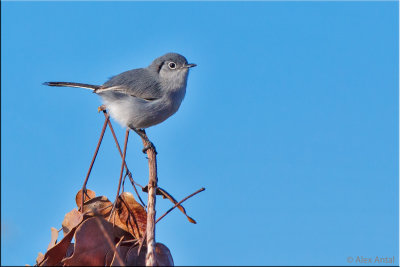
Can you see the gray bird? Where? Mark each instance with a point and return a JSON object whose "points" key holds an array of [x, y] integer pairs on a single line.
{"points": [[144, 97]]}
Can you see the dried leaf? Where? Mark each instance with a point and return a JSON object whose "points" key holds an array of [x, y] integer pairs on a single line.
{"points": [[39, 258], [163, 256], [70, 250], [132, 258], [121, 250], [118, 231], [89, 195], [93, 239], [54, 236], [71, 220], [97, 206], [130, 215], [54, 255]]}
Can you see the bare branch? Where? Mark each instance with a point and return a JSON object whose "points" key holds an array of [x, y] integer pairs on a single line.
{"points": [[180, 202]]}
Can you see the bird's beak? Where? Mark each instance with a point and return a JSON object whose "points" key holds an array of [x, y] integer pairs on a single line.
{"points": [[190, 65]]}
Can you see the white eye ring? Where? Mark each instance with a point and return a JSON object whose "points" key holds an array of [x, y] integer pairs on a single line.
{"points": [[172, 65]]}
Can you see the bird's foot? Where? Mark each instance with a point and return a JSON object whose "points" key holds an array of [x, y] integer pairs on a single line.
{"points": [[101, 108], [146, 141], [149, 145]]}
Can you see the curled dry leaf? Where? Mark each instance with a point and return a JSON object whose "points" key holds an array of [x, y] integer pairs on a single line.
{"points": [[97, 206], [93, 239], [54, 255], [39, 258], [130, 215], [89, 195], [54, 236], [71, 220]]}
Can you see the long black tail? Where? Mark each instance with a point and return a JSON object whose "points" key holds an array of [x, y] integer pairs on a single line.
{"points": [[69, 84]]}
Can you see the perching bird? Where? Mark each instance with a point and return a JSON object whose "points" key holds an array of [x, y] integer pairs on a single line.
{"points": [[144, 97]]}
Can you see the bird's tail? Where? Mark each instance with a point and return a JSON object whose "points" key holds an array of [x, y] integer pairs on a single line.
{"points": [[69, 84]]}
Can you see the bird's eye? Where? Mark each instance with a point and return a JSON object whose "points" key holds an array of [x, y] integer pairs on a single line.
{"points": [[172, 65]]}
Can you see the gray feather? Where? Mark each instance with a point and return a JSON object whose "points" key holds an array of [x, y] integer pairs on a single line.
{"points": [[72, 84], [141, 83]]}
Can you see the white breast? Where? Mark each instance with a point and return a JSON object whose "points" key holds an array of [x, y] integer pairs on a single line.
{"points": [[134, 112]]}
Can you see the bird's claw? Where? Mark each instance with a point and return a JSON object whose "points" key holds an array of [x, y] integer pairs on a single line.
{"points": [[149, 146], [101, 108]]}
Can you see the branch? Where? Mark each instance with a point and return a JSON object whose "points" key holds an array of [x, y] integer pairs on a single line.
{"points": [[151, 203], [180, 202]]}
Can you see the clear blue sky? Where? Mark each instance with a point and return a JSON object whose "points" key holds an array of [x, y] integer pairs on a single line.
{"points": [[290, 121]]}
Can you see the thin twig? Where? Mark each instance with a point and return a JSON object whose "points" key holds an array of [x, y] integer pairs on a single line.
{"points": [[135, 241], [116, 254], [122, 171], [168, 196], [180, 202], [141, 242], [94, 158], [123, 181], [126, 166]]}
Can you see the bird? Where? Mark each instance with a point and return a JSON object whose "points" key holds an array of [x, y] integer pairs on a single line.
{"points": [[138, 99], [143, 97]]}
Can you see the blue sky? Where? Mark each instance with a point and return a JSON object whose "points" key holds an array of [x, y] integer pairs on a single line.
{"points": [[290, 121]]}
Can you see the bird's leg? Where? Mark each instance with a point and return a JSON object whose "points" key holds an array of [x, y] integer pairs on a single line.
{"points": [[122, 171], [143, 135], [93, 159], [120, 152]]}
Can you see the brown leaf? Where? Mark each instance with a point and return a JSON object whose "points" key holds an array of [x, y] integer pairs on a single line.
{"points": [[39, 258], [132, 258], [163, 256], [118, 231], [89, 195], [71, 220], [54, 236], [121, 250], [131, 216], [70, 250], [97, 206], [93, 239], [54, 255]]}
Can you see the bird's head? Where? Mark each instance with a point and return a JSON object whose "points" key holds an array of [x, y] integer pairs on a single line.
{"points": [[172, 69]]}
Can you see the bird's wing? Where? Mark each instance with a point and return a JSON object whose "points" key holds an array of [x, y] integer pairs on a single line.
{"points": [[140, 83]]}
